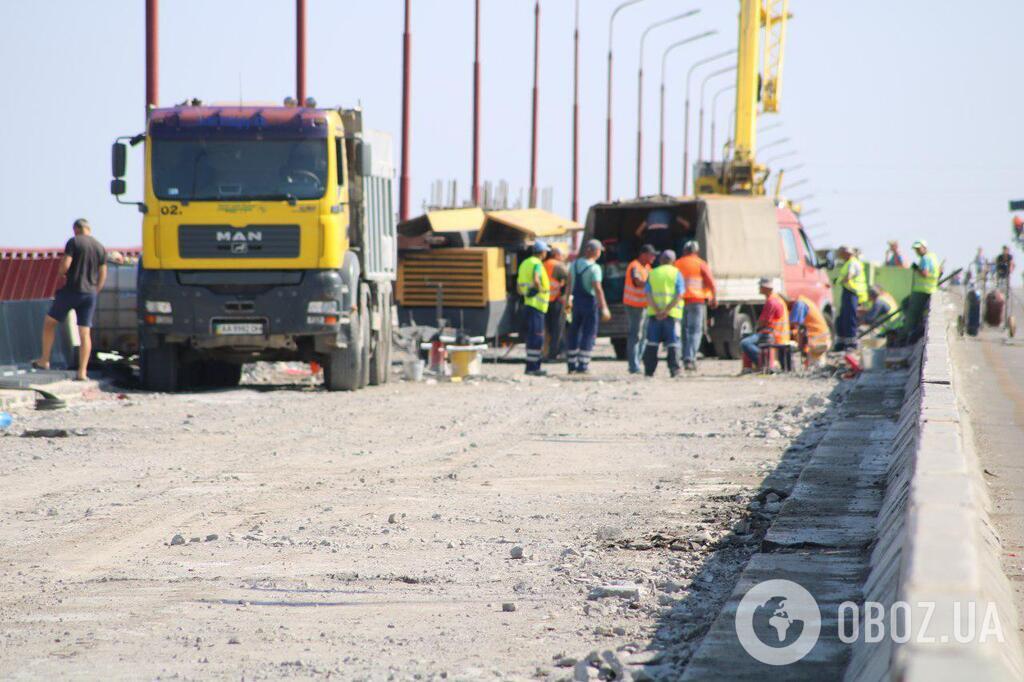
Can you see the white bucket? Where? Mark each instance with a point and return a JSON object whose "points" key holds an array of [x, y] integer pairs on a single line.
{"points": [[873, 359], [413, 369]]}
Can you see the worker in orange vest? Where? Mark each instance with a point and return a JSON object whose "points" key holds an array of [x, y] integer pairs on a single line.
{"points": [[634, 300], [700, 289], [555, 317], [772, 325], [811, 329]]}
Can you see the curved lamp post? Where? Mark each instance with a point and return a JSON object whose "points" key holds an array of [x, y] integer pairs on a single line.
{"points": [[608, 132], [661, 135], [640, 93], [714, 111], [700, 127], [686, 115]]}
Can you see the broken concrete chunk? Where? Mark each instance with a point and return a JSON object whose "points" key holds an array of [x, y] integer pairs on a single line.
{"points": [[622, 590]]}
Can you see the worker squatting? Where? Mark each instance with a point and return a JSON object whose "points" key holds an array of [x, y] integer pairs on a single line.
{"points": [[663, 293]]}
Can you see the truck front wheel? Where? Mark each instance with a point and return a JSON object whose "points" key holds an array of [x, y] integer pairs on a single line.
{"points": [[160, 367], [343, 367]]}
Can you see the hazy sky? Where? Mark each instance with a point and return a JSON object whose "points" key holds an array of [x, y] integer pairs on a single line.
{"points": [[907, 115]]}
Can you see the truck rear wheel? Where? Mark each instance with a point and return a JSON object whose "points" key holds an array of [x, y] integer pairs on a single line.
{"points": [[160, 367], [742, 326], [380, 362], [366, 340]]}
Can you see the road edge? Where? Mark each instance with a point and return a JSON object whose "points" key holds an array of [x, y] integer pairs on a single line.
{"points": [[936, 544]]}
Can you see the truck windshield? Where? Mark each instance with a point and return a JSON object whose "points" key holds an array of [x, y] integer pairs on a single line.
{"points": [[239, 170]]}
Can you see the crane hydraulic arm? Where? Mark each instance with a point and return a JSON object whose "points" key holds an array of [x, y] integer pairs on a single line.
{"points": [[758, 90]]}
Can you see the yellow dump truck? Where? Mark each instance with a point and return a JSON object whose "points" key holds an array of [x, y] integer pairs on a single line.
{"points": [[459, 265], [267, 234]]}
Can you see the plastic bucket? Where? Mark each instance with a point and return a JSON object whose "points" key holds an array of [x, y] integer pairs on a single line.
{"points": [[413, 369], [873, 359]]}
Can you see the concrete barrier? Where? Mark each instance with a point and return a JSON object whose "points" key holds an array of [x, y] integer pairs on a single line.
{"points": [[936, 550]]}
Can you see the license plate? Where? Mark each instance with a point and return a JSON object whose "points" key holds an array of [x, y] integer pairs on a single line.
{"points": [[238, 328]]}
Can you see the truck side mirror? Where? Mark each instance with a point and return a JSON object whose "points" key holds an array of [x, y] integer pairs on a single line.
{"points": [[117, 187], [364, 160], [118, 159], [830, 261]]}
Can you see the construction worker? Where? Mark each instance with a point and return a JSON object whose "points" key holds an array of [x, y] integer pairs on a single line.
{"points": [[586, 302], [1004, 267], [883, 307], [772, 325], [854, 283], [893, 257], [700, 288], [925, 282], [535, 288], [634, 300], [657, 227], [810, 327], [554, 319], [665, 292]]}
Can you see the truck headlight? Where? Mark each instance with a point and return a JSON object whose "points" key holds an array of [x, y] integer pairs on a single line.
{"points": [[162, 307], [323, 307]]}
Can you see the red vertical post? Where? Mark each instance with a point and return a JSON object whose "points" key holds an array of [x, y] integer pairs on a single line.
{"points": [[300, 52], [476, 105], [403, 180], [152, 54], [533, 129], [576, 117]]}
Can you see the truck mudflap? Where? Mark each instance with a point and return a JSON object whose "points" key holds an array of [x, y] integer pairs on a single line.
{"points": [[269, 309]]}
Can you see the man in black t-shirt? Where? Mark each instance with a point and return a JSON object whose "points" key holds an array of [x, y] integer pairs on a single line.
{"points": [[85, 266], [1004, 265]]}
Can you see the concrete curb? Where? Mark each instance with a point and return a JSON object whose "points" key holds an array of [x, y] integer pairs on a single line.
{"points": [[936, 544]]}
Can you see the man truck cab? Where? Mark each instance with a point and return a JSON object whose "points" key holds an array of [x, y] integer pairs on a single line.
{"points": [[267, 234]]}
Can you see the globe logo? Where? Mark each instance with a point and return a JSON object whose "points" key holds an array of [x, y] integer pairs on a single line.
{"points": [[778, 622]]}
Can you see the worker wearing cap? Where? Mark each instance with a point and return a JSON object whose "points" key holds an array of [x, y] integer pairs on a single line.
{"points": [[700, 288], [883, 307], [535, 288], [809, 326], [772, 325], [665, 291], [554, 319], [925, 283], [586, 302], [634, 300], [853, 280]]}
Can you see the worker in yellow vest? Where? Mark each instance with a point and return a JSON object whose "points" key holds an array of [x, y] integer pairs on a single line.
{"points": [[854, 284], [665, 291], [883, 307], [809, 326], [927, 271], [634, 300], [535, 288]]}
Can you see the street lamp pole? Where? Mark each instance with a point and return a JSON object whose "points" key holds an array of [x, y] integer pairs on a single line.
{"points": [[403, 180], [714, 115], [686, 117], [533, 130], [661, 135], [640, 94], [576, 115], [608, 131], [476, 104], [700, 127]]}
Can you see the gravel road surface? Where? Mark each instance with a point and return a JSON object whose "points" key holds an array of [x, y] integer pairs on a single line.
{"points": [[500, 528]]}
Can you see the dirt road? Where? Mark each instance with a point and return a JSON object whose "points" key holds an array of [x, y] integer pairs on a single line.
{"points": [[411, 531]]}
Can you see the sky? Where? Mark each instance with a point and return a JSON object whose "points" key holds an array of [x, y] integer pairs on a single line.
{"points": [[905, 116]]}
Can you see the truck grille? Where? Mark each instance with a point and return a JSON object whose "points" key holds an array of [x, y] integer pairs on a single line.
{"points": [[251, 241], [466, 276]]}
